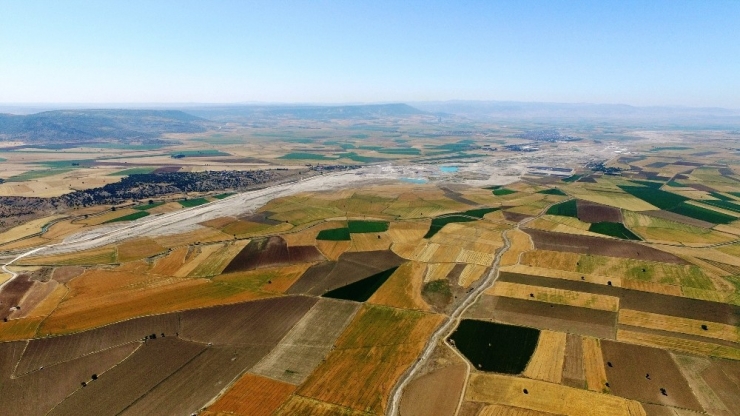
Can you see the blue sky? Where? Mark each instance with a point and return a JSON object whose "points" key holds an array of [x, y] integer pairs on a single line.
{"points": [[633, 52]]}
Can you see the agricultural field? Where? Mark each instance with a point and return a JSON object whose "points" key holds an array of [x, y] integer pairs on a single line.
{"points": [[593, 293]]}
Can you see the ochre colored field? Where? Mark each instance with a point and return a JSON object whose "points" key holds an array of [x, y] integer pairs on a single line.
{"points": [[546, 363], [370, 241], [520, 243], [557, 296], [470, 274], [547, 397], [105, 217], [137, 249], [202, 236], [408, 231], [679, 325], [403, 288], [275, 280], [252, 395], [437, 392], [437, 271], [304, 406], [26, 229], [169, 264], [333, 249], [307, 237], [101, 255], [593, 365], [375, 349]]}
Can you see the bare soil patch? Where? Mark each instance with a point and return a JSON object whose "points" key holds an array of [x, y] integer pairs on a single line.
{"points": [[515, 216], [543, 315], [592, 212], [66, 273], [723, 377], [573, 365], [435, 393], [260, 322], [546, 240], [639, 373], [12, 293], [350, 268], [271, 252]]}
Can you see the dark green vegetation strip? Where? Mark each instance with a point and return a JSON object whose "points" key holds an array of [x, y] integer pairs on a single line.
{"points": [[565, 209], [440, 222], [479, 212], [334, 234], [189, 203], [68, 163], [614, 229], [36, 174], [367, 226], [495, 347], [703, 214], [676, 184], [720, 196], [305, 156], [553, 191], [359, 158], [133, 171], [401, 151], [677, 203], [572, 178], [148, 206], [649, 184], [503, 191], [494, 187], [656, 197], [361, 290], [224, 195], [129, 217], [199, 153]]}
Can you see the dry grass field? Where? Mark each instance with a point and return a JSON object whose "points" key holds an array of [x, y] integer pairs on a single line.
{"points": [[27, 229], [557, 296], [547, 362], [252, 395], [403, 288]]}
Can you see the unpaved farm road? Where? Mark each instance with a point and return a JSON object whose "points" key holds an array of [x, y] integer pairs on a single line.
{"points": [[444, 330]]}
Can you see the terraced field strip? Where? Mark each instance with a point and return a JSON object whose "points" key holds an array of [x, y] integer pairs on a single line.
{"points": [[680, 325], [678, 344], [547, 397], [557, 296], [593, 365]]}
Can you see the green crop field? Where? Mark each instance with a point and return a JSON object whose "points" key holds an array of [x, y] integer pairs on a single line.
{"points": [[440, 222], [224, 195], [305, 156], [189, 203], [334, 234], [649, 184], [572, 178], [129, 217], [656, 197], [480, 212], [613, 229], [703, 214], [36, 174], [553, 191], [503, 191], [367, 226], [132, 171], [565, 209], [361, 290], [147, 207], [411, 151]]}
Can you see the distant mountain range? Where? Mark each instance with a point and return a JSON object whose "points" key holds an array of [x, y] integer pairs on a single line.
{"points": [[561, 112], [81, 126], [302, 112]]}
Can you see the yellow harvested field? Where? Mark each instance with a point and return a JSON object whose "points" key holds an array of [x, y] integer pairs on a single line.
{"points": [[593, 365], [50, 302], [137, 249], [106, 216], [17, 329], [556, 296], [443, 254], [403, 288], [218, 223], [501, 410], [520, 243], [664, 231], [546, 363], [615, 199], [163, 209], [405, 250], [4, 277], [369, 357], [27, 229], [424, 252], [712, 295], [26, 243], [370, 241], [408, 231], [547, 397], [679, 325], [307, 237], [670, 290], [305, 406], [197, 255], [561, 274], [272, 280], [333, 249], [475, 257], [202, 235], [101, 255], [217, 260], [252, 395], [678, 344], [566, 225], [62, 229], [437, 271], [245, 228], [170, 263], [470, 274]]}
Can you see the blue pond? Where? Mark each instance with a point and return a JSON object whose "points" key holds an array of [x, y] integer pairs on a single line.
{"points": [[448, 169]]}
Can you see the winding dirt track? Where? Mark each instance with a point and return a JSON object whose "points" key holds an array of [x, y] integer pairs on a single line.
{"points": [[449, 325]]}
